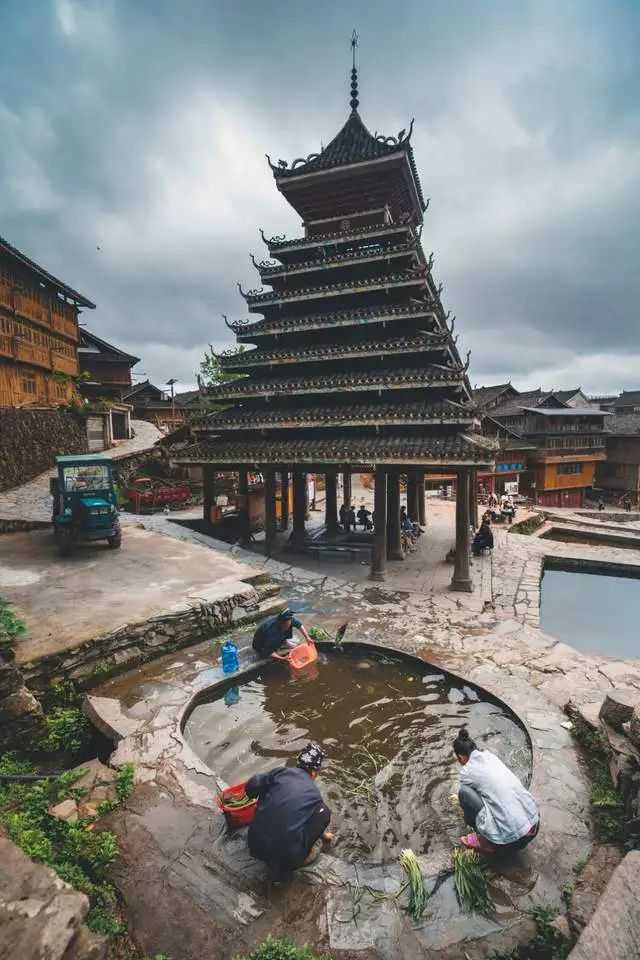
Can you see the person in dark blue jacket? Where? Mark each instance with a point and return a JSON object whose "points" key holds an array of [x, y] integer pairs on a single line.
{"points": [[276, 632], [291, 818]]}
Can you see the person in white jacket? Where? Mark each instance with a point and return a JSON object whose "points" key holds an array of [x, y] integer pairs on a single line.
{"points": [[501, 812]]}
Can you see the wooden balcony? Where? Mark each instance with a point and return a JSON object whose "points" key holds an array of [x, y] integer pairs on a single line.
{"points": [[27, 307], [63, 364], [64, 325], [6, 345], [29, 353], [6, 295]]}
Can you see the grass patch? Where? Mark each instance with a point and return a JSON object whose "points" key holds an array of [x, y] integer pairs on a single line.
{"points": [[281, 950], [607, 807], [528, 526], [79, 854]]}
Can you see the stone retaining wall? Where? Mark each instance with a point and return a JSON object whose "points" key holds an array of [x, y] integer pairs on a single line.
{"points": [[21, 715], [40, 915], [137, 643], [30, 439], [14, 526]]}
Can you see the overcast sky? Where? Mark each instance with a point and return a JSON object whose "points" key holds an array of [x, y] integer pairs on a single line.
{"points": [[133, 134]]}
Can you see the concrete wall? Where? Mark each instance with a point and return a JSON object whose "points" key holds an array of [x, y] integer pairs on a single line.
{"points": [[30, 438]]}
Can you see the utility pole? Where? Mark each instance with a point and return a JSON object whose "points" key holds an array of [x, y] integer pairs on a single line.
{"points": [[170, 383]]}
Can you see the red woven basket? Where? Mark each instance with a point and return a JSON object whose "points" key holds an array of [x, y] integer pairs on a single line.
{"points": [[237, 816]]}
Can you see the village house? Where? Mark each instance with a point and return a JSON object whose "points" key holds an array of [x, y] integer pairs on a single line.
{"points": [[38, 333], [105, 373], [550, 442], [620, 473]]}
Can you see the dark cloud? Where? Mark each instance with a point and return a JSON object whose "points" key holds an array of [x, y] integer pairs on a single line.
{"points": [[141, 128]]}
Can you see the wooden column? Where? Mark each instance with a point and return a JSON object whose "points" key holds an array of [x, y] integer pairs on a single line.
{"points": [[413, 509], [346, 488], [299, 507], [284, 500], [379, 551], [208, 492], [331, 502], [473, 498], [243, 494], [270, 519], [422, 507], [461, 579], [394, 540]]}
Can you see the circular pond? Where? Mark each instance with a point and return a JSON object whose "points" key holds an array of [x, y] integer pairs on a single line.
{"points": [[387, 724]]}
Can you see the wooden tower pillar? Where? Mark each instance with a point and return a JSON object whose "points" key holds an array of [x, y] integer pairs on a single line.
{"points": [[243, 507], [270, 520], [208, 492], [394, 539], [331, 502], [346, 488], [422, 507], [461, 579], [473, 498], [413, 509], [379, 551], [284, 500], [299, 507]]}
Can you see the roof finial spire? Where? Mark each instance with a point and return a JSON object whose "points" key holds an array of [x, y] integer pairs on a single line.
{"points": [[354, 73]]}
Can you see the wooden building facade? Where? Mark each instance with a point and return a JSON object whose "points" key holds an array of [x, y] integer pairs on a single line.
{"points": [[354, 366], [38, 332]]}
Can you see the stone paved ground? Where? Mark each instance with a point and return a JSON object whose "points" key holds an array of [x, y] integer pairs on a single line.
{"points": [[32, 501]]}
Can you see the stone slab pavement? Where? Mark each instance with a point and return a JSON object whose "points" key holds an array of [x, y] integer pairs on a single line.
{"points": [[32, 500], [94, 590]]}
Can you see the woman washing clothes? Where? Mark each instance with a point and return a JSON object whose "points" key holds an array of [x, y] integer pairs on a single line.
{"points": [[502, 813]]}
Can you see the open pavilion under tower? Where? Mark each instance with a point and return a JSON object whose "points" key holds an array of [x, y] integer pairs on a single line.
{"points": [[354, 366]]}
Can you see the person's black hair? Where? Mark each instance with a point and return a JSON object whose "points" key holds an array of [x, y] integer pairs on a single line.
{"points": [[463, 745]]}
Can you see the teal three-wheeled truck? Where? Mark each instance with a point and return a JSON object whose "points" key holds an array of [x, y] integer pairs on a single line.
{"points": [[85, 503]]}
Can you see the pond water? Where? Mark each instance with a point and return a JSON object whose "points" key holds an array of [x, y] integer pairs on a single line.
{"points": [[387, 726], [592, 611], [592, 540]]}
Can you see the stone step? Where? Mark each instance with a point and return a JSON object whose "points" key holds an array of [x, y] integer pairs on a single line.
{"points": [[613, 933]]}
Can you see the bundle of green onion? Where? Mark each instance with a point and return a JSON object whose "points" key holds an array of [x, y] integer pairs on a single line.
{"points": [[418, 895], [319, 634], [232, 800], [470, 882]]}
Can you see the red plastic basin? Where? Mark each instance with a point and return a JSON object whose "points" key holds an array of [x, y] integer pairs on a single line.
{"points": [[237, 816]]}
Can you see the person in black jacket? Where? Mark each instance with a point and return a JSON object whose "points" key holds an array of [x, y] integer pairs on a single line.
{"points": [[291, 818]]}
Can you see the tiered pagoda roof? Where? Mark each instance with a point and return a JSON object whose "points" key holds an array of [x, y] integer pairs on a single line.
{"points": [[352, 361]]}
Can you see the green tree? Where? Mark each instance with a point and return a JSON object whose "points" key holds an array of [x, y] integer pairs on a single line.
{"points": [[211, 372]]}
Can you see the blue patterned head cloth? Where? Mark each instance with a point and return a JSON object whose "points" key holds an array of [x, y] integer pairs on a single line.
{"points": [[311, 757]]}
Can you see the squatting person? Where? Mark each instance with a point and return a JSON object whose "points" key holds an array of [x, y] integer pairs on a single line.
{"points": [[276, 632], [494, 802], [291, 818]]}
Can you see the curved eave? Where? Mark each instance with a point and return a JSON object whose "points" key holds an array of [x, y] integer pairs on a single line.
{"points": [[355, 259], [247, 331], [280, 245], [413, 346], [257, 301], [341, 383], [299, 423], [461, 450], [290, 181]]}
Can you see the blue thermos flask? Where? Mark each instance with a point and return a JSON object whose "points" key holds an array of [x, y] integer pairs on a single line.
{"points": [[229, 655]]}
